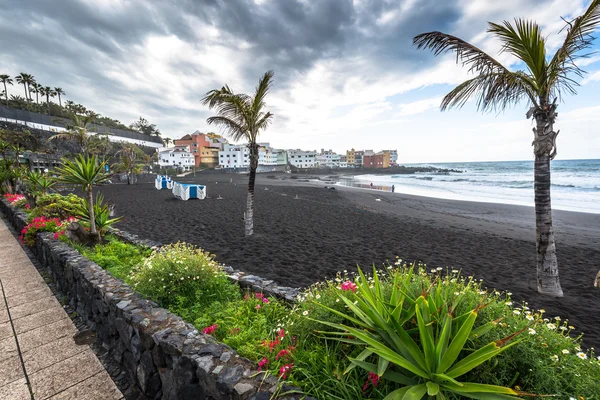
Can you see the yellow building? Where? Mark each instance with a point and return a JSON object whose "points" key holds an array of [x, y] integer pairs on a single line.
{"points": [[385, 159], [208, 156], [350, 156]]}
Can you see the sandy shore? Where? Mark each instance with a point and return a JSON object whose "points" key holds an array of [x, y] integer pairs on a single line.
{"points": [[301, 240]]}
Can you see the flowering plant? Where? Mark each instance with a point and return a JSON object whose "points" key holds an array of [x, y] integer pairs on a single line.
{"points": [[16, 200], [43, 224]]}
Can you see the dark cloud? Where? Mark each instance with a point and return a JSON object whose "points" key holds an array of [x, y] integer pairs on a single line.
{"points": [[72, 43]]}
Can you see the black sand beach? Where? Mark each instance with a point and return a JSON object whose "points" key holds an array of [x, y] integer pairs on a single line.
{"points": [[301, 240]]}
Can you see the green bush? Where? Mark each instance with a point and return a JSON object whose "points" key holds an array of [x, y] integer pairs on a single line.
{"points": [[180, 276], [535, 364], [115, 256], [56, 206]]}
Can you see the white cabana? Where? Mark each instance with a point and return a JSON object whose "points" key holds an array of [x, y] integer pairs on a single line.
{"points": [[186, 191]]}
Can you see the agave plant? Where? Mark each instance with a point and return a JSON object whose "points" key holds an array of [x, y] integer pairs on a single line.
{"points": [[38, 184], [419, 343], [85, 172], [102, 215]]}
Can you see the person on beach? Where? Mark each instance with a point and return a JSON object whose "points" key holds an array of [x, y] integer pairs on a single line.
{"points": [[371, 185], [393, 188]]}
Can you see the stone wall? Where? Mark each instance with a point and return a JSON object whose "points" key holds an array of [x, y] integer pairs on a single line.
{"points": [[164, 356]]}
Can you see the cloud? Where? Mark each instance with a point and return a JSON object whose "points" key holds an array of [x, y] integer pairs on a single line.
{"points": [[340, 66]]}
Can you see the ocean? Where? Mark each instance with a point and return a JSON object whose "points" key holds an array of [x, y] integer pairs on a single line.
{"points": [[575, 183]]}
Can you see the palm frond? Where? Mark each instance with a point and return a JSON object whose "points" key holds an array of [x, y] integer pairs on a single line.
{"points": [[525, 41], [494, 91], [231, 128], [476, 59], [578, 39], [264, 85]]}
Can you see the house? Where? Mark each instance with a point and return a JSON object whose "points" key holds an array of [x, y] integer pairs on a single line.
{"points": [[204, 146], [327, 159], [302, 159], [234, 156], [350, 160], [179, 157], [393, 156]]}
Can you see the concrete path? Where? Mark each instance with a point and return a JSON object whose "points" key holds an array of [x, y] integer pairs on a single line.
{"points": [[39, 358]]}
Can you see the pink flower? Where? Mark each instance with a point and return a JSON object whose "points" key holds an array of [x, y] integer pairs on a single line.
{"points": [[284, 370], [373, 379], [209, 330], [349, 286], [281, 333], [258, 295], [265, 300], [257, 307], [262, 363]]}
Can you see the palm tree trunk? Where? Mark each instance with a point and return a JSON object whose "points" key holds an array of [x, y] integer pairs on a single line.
{"points": [[25, 88], [59, 101], [6, 94], [249, 218], [91, 211], [547, 265]]}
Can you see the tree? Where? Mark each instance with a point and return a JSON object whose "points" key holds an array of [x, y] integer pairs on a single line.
{"points": [[544, 81], [26, 80], [48, 92], [6, 80], [77, 130], [59, 92], [242, 117], [167, 141], [84, 171], [129, 155], [143, 126], [37, 89]]}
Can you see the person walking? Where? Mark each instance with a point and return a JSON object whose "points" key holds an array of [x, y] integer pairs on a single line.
{"points": [[393, 188], [371, 185]]}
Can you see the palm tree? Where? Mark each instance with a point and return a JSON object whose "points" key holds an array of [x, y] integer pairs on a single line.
{"points": [[25, 80], [6, 80], [77, 130], [59, 92], [242, 117], [37, 89], [128, 160], [167, 141], [541, 84], [48, 92], [85, 172]]}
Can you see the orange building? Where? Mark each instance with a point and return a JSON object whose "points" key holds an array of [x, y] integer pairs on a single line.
{"points": [[204, 147]]}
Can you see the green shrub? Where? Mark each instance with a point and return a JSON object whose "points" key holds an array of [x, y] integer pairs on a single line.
{"points": [[115, 256], [101, 214], [56, 206], [180, 276]]}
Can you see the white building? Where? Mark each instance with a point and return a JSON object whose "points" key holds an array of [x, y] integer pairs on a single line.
{"points": [[328, 159], [234, 156], [178, 157], [302, 159]]}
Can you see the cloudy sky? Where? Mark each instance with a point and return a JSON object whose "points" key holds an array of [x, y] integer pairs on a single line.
{"points": [[346, 73]]}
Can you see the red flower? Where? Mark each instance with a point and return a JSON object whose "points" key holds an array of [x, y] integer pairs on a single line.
{"points": [[349, 286], [259, 295], [283, 353], [284, 370], [262, 363], [281, 333], [209, 330], [372, 378]]}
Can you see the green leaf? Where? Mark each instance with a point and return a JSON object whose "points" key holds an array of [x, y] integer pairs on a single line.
{"points": [[425, 332], [415, 392], [457, 344], [361, 357], [382, 366], [432, 388], [477, 358], [397, 394]]}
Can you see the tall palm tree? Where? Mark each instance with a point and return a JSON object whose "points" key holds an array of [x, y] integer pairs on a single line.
{"points": [[37, 89], [59, 92], [77, 130], [26, 80], [242, 117], [6, 80], [167, 141], [544, 81], [85, 172], [48, 92]]}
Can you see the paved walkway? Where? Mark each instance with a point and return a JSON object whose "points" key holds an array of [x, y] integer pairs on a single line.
{"points": [[39, 358]]}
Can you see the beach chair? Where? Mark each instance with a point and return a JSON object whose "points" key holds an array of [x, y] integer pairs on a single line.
{"points": [[163, 182], [186, 191]]}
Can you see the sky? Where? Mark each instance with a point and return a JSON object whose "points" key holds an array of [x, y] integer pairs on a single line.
{"points": [[346, 72]]}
